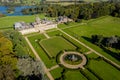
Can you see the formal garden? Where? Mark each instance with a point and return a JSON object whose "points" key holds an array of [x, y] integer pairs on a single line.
{"points": [[51, 49], [62, 47], [85, 49]]}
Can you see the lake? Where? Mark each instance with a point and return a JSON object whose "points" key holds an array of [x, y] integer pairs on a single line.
{"points": [[17, 12]]}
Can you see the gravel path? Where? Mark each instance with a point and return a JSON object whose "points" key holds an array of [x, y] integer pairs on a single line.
{"points": [[46, 35], [37, 56], [54, 67]]}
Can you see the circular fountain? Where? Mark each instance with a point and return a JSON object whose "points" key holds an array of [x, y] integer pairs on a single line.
{"points": [[73, 60]]}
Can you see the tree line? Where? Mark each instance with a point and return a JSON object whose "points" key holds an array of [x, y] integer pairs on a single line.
{"points": [[111, 45], [113, 41], [79, 11]]}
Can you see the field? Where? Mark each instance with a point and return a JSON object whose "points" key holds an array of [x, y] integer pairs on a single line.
{"points": [[82, 48], [71, 75], [96, 68], [8, 21], [56, 73], [101, 68], [55, 45], [106, 26]]}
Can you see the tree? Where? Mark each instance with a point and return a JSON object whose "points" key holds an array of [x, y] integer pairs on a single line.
{"points": [[31, 67], [6, 73], [97, 39], [112, 40], [19, 47], [7, 59]]}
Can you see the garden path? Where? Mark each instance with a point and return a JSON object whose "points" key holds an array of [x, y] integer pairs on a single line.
{"points": [[54, 67], [46, 35], [37, 56]]}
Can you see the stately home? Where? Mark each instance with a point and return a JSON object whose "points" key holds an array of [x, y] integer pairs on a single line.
{"points": [[22, 25], [40, 25]]}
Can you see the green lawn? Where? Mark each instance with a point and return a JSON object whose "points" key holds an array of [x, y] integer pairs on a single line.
{"points": [[104, 70], [67, 25], [56, 73], [56, 44], [48, 62], [89, 75], [82, 48], [92, 55], [9, 21], [54, 33], [74, 75], [106, 26]]}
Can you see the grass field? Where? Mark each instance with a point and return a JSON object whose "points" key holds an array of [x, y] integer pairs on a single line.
{"points": [[56, 44], [106, 26], [56, 73], [74, 75], [82, 48], [103, 69], [92, 55], [67, 25], [9, 21], [89, 75]]}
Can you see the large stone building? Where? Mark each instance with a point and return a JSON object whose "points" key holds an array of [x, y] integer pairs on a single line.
{"points": [[40, 25]]}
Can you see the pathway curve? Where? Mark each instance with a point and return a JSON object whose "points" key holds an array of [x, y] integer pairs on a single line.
{"points": [[37, 56], [90, 48], [88, 52], [54, 67]]}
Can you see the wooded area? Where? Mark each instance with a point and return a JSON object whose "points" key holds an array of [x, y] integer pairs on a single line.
{"points": [[78, 11], [14, 57]]}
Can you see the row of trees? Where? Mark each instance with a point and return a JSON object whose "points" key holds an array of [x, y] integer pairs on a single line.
{"points": [[19, 45], [8, 60], [113, 42], [108, 44], [78, 11]]}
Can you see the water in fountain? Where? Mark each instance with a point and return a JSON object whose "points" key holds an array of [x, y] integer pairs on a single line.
{"points": [[74, 58]]}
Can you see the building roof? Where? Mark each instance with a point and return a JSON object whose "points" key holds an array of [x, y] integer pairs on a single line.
{"points": [[37, 19], [17, 24]]}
